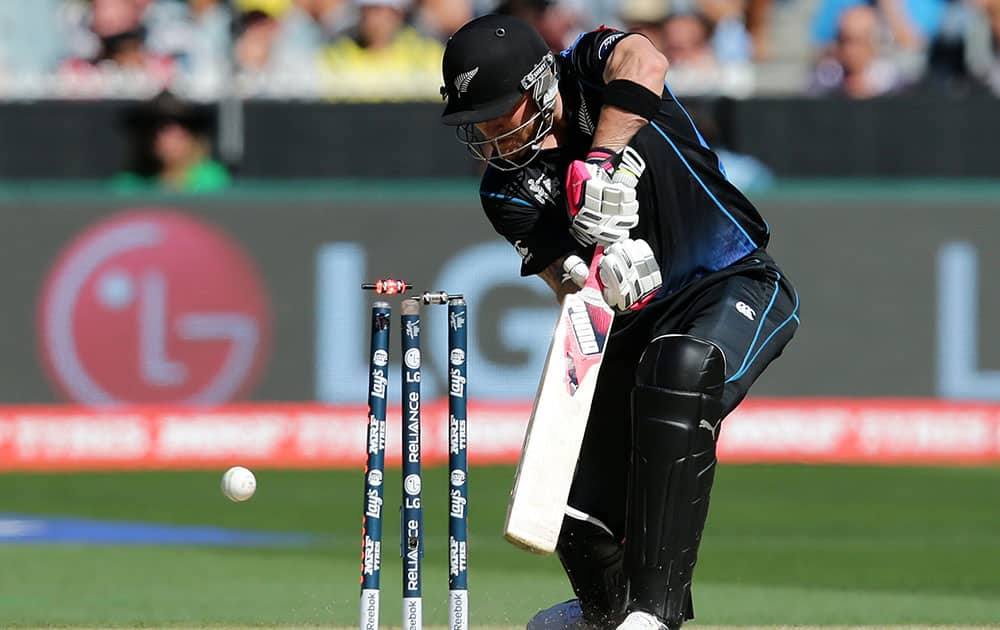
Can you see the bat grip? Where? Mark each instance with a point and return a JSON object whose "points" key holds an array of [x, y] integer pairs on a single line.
{"points": [[593, 278]]}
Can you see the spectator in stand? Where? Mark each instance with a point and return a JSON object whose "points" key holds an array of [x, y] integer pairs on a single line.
{"points": [[308, 26], [557, 21], [121, 49], [648, 17], [949, 71], [758, 23], [256, 39], [911, 23], [984, 44], [695, 69], [171, 149], [211, 26], [441, 18], [196, 34], [731, 41], [383, 57], [687, 43], [274, 8], [855, 67]]}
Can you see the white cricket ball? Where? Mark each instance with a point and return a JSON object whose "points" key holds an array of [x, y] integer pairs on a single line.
{"points": [[238, 484]]}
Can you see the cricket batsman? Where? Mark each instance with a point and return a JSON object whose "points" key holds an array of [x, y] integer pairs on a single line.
{"points": [[701, 307]]}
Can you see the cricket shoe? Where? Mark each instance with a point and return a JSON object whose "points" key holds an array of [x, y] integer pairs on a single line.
{"points": [[642, 621], [565, 616]]}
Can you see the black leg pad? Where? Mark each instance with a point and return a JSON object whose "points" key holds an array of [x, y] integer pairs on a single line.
{"points": [[676, 411], [592, 559]]}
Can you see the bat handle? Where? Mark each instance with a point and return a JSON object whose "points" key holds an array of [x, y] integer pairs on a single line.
{"points": [[593, 278]]}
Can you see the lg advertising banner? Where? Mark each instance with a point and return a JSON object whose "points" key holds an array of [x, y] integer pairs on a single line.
{"points": [[257, 297], [149, 306], [253, 300]]}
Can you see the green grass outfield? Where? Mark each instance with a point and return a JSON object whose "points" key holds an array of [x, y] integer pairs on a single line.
{"points": [[786, 545]]}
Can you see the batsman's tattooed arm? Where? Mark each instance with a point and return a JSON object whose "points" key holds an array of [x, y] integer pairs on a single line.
{"points": [[633, 59]]}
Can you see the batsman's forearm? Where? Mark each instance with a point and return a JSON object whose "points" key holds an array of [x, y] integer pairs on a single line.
{"points": [[616, 127], [634, 59]]}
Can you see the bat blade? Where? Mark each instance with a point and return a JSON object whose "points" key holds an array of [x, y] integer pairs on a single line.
{"points": [[558, 422]]}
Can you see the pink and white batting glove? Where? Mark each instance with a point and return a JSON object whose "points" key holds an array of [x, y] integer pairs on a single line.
{"points": [[629, 275], [601, 196]]}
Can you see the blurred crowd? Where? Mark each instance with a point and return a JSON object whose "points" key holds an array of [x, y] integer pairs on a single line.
{"points": [[391, 49]]}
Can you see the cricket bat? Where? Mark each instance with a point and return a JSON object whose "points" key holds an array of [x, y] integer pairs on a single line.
{"points": [[559, 418]]}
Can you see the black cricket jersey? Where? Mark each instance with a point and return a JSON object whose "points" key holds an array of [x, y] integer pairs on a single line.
{"points": [[694, 219]]}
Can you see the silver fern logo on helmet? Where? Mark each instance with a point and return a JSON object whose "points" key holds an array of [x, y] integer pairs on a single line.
{"points": [[463, 80]]}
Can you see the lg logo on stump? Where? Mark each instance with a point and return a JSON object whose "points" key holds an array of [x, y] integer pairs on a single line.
{"points": [[153, 306]]}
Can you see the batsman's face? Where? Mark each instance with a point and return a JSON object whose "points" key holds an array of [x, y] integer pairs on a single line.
{"points": [[511, 134]]}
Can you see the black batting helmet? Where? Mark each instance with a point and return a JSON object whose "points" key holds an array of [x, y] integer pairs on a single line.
{"points": [[488, 65]]}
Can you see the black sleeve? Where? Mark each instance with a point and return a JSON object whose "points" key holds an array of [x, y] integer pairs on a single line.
{"points": [[539, 235], [589, 53]]}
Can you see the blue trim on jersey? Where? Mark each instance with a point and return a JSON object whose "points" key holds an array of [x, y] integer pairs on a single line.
{"points": [[794, 315], [569, 51], [701, 139], [704, 187], [517, 200]]}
